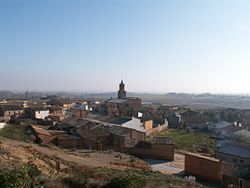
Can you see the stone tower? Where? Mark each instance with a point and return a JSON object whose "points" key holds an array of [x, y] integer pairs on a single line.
{"points": [[122, 92]]}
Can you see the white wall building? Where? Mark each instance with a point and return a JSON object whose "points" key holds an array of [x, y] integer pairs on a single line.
{"points": [[41, 114], [134, 123]]}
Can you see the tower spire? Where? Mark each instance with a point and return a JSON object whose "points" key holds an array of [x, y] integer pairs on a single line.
{"points": [[122, 91]]}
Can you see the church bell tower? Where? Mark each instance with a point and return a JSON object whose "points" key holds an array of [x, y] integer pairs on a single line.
{"points": [[122, 92]]}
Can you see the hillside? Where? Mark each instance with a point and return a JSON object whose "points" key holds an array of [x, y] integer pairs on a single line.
{"points": [[96, 168]]}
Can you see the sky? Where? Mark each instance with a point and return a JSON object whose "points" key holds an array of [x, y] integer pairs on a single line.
{"points": [[155, 46]]}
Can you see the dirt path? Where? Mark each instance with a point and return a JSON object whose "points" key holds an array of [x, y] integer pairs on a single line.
{"points": [[46, 156]]}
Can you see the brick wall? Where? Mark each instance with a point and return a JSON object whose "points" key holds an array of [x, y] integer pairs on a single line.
{"points": [[207, 168], [154, 151], [68, 142]]}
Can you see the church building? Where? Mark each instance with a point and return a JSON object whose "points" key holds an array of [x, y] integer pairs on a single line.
{"points": [[123, 105]]}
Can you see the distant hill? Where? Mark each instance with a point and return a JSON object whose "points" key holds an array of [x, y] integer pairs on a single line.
{"points": [[205, 100]]}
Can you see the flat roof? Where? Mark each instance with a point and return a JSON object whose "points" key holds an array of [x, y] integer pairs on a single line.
{"points": [[118, 101], [202, 156], [234, 149]]}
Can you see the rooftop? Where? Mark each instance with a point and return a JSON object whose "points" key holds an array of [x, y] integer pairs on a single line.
{"points": [[235, 149], [117, 101], [42, 131], [120, 131], [203, 157], [119, 121], [231, 128], [10, 107]]}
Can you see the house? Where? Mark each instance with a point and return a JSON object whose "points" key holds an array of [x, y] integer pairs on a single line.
{"points": [[42, 136], [161, 148], [9, 111], [174, 120], [68, 105], [147, 124], [156, 128], [216, 127], [242, 136], [56, 113], [123, 137], [37, 112], [132, 123], [76, 113], [195, 120], [228, 131], [94, 135], [232, 152], [239, 155], [113, 107], [68, 141], [98, 131]]}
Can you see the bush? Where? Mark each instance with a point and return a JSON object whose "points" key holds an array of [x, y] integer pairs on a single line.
{"points": [[23, 177], [79, 179], [129, 181], [15, 132]]}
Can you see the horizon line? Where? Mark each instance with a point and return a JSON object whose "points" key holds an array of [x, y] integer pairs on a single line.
{"points": [[136, 92]]}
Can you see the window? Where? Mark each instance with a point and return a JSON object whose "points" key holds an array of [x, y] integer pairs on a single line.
{"points": [[241, 183]]}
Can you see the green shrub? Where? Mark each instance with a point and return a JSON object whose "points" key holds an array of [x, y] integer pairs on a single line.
{"points": [[129, 181], [15, 132], [23, 177]]}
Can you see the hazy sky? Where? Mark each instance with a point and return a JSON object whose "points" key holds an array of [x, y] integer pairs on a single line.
{"points": [[154, 45]]}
